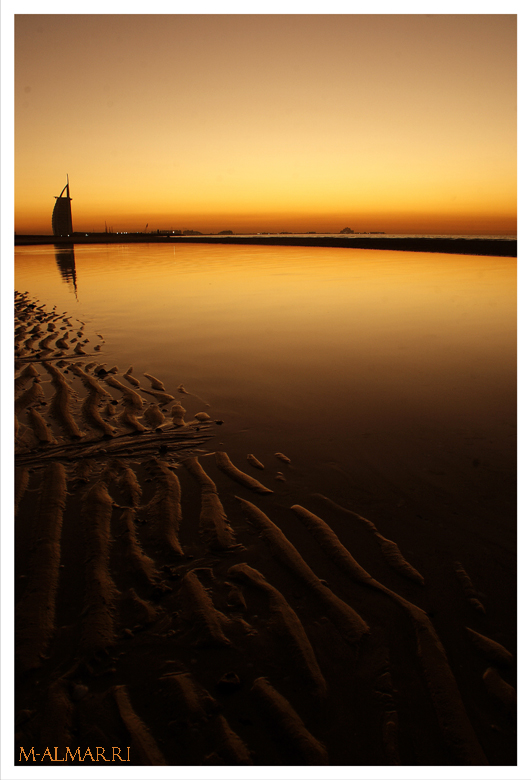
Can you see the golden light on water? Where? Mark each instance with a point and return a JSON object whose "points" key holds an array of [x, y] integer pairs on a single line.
{"points": [[351, 318], [397, 123]]}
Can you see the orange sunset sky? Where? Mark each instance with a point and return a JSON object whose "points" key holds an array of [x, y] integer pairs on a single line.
{"points": [[395, 123]]}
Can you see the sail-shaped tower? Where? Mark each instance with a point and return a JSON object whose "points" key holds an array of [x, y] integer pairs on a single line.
{"points": [[62, 213]]}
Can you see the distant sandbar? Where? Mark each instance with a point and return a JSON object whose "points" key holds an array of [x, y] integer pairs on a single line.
{"points": [[461, 246]]}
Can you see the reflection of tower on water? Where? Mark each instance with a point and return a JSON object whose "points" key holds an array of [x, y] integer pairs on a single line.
{"points": [[66, 263]]}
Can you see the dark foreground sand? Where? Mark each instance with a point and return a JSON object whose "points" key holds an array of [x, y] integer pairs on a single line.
{"points": [[191, 606]]}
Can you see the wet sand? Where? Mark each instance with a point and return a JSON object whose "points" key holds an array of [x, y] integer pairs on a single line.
{"points": [[200, 604]]}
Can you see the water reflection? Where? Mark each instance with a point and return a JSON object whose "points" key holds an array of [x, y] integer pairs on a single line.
{"points": [[396, 364], [66, 263]]}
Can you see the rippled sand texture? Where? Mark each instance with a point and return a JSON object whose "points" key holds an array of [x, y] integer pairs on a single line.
{"points": [[169, 601]]}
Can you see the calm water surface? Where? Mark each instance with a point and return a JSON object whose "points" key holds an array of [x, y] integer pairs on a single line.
{"points": [[393, 370]]}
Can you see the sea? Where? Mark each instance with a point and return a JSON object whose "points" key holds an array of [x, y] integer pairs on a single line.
{"points": [[391, 376]]}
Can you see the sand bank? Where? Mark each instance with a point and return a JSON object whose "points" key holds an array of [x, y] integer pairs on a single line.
{"points": [[168, 601], [461, 246]]}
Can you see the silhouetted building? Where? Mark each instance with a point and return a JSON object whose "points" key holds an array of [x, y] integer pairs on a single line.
{"points": [[62, 213]]}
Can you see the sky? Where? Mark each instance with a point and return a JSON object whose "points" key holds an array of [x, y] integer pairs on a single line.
{"points": [[262, 123]]}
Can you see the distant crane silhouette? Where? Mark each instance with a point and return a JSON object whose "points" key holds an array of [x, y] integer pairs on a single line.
{"points": [[145, 229]]}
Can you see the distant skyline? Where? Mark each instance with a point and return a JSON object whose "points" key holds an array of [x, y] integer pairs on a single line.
{"points": [[395, 123]]}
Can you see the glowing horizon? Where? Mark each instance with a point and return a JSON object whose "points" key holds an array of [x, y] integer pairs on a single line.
{"points": [[263, 123]]}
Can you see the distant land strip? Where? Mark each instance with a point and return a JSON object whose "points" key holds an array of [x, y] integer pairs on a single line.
{"points": [[460, 246]]}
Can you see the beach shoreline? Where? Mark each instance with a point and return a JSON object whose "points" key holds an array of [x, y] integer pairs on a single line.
{"points": [[191, 590], [466, 246]]}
